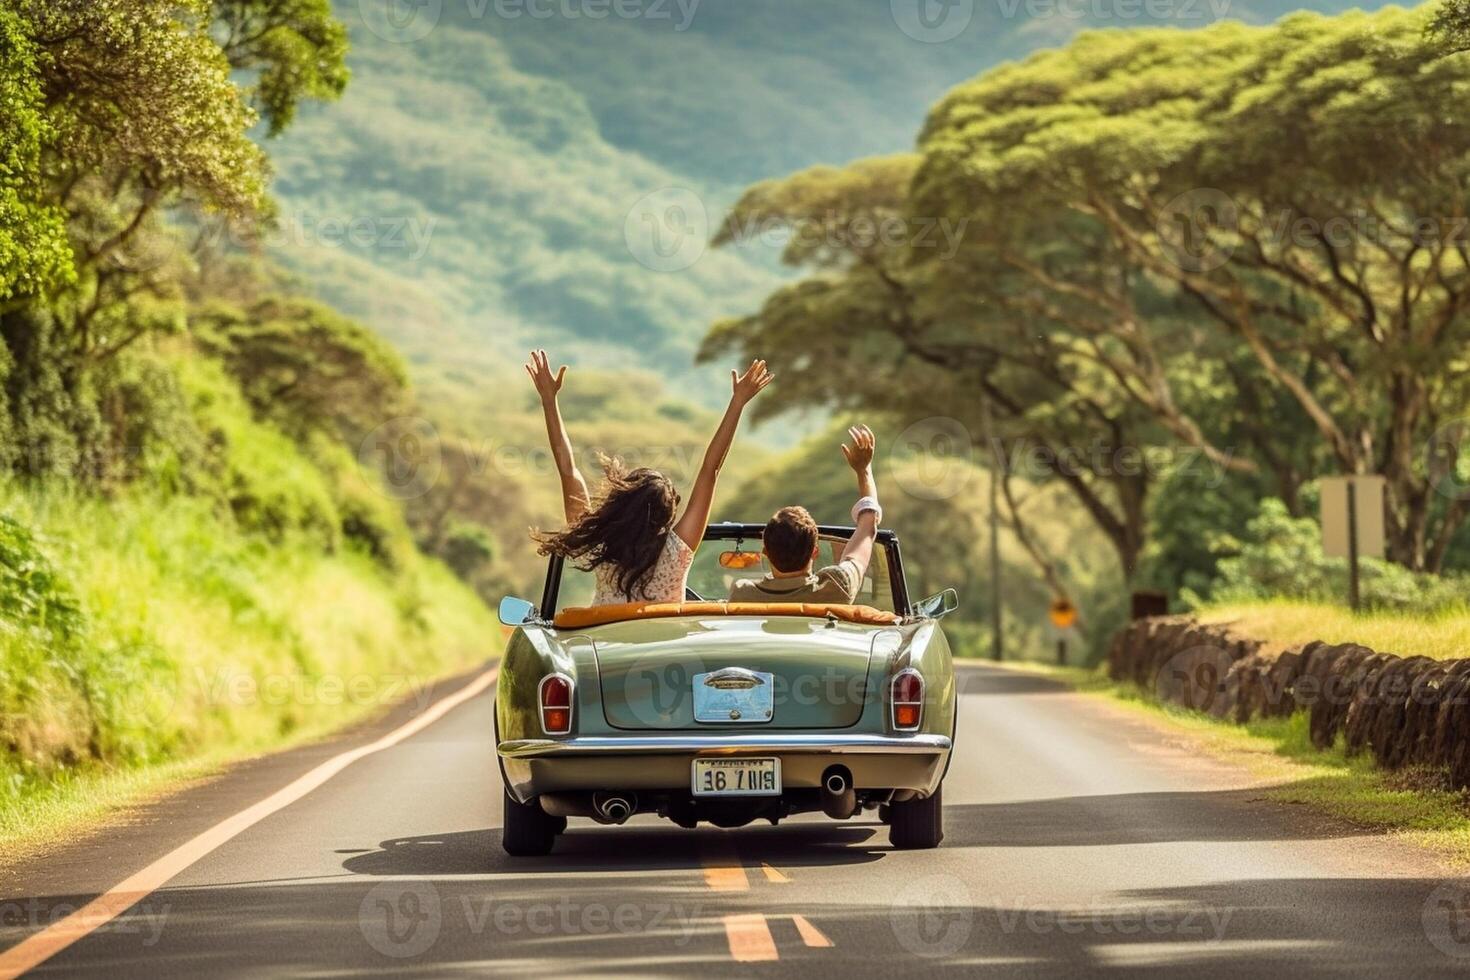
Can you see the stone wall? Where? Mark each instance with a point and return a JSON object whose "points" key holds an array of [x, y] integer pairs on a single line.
{"points": [[1404, 710]]}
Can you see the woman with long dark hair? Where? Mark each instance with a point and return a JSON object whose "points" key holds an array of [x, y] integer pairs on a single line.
{"points": [[630, 534]]}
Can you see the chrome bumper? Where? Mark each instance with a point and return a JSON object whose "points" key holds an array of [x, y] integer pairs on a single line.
{"points": [[725, 745]]}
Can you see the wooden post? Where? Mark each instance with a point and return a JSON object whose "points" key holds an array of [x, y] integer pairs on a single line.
{"points": [[1352, 529]]}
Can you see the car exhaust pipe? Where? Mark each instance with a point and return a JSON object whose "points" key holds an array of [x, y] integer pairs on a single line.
{"points": [[839, 799], [613, 808]]}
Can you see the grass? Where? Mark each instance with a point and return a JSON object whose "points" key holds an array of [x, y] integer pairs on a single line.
{"points": [[1412, 806], [200, 644], [1286, 623]]}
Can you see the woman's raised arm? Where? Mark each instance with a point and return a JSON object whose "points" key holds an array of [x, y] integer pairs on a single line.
{"points": [[574, 496], [702, 498]]}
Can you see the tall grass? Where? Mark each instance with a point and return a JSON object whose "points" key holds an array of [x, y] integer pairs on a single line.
{"points": [[198, 639], [1442, 634]]}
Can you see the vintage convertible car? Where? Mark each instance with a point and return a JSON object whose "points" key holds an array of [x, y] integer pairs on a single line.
{"points": [[725, 712]]}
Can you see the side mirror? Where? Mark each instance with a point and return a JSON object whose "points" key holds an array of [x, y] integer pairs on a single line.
{"points": [[938, 606], [514, 612]]}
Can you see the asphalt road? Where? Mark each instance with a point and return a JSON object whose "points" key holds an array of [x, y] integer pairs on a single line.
{"points": [[1079, 840]]}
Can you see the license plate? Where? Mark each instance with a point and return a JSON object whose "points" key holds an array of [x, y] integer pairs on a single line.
{"points": [[736, 777]]}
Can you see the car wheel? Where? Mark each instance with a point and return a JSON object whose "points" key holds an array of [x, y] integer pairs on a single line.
{"points": [[529, 830], [885, 813], [917, 824]]}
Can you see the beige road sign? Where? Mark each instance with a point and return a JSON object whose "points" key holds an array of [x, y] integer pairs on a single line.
{"points": [[1368, 496]]}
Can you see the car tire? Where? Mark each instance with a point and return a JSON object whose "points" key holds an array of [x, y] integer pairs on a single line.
{"points": [[529, 831], [885, 813], [917, 824]]}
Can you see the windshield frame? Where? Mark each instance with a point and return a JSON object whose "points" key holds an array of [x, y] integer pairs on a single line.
{"points": [[752, 532]]}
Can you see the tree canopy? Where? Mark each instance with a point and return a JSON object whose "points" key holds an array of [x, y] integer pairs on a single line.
{"points": [[1247, 243]]}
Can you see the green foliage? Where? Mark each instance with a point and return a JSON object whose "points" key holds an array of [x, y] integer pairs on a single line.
{"points": [[303, 365], [152, 65], [33, 248], [468, 549], [33, 597], [1280, 557], [168, 610], [1191, 524], [1148, 191], [270, 488], [295, 48], [55, 418]]}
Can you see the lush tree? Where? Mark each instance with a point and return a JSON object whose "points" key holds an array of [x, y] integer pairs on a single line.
{"points": [[873, 328], [1235, 170], [303, 365], [33, 253], [295, 48]]}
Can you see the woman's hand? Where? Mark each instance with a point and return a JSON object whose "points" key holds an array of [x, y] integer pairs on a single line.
{"points": [[547, 384], [746, 386]]}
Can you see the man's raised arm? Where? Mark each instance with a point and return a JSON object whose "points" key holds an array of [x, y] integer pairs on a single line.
{"points": [[866, 513]]}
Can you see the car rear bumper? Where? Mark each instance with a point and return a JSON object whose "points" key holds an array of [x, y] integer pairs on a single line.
{"points": [[725, 745], [662, 762]]}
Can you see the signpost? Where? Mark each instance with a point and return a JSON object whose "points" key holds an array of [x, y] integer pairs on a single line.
{"points": [[1352, 523], [1063, 616]]}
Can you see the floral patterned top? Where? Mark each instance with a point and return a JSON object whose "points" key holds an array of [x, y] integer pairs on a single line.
{"points": [[665, 581]]}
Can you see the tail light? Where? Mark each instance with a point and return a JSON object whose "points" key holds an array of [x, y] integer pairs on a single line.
{"points": [[556, 704], [907, 700]]}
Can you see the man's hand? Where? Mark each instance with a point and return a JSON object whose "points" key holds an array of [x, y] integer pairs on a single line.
{"points": [[860, 453], [547, 384], [746, 386]]}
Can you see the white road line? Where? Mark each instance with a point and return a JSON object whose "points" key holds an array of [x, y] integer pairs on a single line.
{"points": [[56, 937]]}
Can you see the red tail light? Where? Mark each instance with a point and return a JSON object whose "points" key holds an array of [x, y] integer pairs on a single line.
{"points": [[556, 704], [907, 700]]}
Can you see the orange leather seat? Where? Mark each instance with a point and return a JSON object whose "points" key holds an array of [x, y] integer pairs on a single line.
{"points": [[581, 617]]}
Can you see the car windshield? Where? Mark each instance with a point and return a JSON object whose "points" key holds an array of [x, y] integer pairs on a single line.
{"points": [[712, 581]]}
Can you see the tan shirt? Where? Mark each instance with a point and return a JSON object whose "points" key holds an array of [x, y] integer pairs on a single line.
{"points": [[837, 583]]}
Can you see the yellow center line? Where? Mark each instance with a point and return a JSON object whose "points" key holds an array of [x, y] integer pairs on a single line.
{"points": [[723, 870], [43, 945], [772, 875], [750, 938], [810, 934]]}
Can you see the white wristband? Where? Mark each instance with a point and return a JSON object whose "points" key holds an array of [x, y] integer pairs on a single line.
{"points": [[866, 504]]}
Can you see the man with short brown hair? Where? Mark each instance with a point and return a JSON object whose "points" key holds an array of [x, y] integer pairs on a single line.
{"points": [[791, 546]]}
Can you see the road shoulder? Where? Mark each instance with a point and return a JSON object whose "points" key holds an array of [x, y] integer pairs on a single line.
{"points": [[1417, 824]]}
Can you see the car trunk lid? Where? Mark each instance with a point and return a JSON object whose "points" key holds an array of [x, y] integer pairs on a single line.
{"points": [[817, 669]]}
